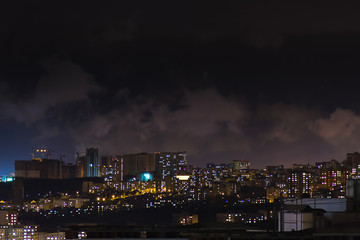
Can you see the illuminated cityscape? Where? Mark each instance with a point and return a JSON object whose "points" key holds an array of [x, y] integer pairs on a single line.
{"points": [[275, 199], [176, 120]]}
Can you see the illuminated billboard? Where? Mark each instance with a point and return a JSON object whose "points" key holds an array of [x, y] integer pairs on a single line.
{"points": [[183, 177]]}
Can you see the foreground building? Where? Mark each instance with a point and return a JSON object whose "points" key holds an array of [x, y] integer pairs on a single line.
{"points": [[19, 232]]}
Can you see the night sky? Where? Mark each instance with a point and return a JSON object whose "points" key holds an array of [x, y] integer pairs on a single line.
{"points": [[273, 82]]}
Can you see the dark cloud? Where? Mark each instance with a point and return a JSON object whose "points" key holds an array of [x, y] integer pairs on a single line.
{"points": [[64, 82], [286, 123], [274, 82], [341, 129], [97, 30], [195, 127]]}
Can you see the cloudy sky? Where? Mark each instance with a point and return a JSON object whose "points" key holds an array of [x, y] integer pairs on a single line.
{"points": [[274, 82]]}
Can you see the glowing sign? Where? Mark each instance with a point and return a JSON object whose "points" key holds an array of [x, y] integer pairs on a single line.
{"points": [[183, 177]]}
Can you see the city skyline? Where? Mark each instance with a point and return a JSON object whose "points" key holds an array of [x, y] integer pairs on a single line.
{"points": [[274, 83], [131, 185], [161, 180], [90, 156]]}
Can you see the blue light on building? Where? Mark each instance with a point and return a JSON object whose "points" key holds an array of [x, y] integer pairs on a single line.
{"points": [[146, 177], [7, 179]]}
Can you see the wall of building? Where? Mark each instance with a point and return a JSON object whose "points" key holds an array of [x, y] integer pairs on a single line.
{"points": [[328, 204], [296, 221]]}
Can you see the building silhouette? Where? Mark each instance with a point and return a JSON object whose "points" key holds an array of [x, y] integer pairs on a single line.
{"points": [[44, 168]]}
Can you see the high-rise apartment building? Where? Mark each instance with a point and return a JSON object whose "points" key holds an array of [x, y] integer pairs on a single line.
{"points": [[80, 167], [159, 164], [170, 163], [131, 165], [109, 170], [19, 232], [146, 162], [300, 180], [106, 165], [352, 159], [333, 176], [241, 164], [92, 162], [44, 168], [8, 217]]}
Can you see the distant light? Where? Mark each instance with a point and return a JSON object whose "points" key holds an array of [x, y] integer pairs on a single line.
{"points": [[7, 179]]}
